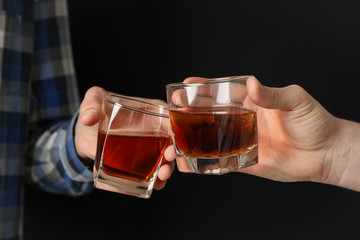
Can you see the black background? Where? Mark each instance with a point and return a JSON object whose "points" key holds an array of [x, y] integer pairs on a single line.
{"points": [[135, 47]]}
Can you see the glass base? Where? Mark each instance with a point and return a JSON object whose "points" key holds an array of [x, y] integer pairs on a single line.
{"points": [[122, 185], [222, 165]]}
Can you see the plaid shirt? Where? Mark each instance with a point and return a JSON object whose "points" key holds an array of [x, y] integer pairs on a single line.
{"points": [[38, 96]]}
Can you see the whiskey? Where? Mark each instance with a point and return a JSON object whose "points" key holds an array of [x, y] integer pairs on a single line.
{"points": [[132, 157], [214, 132]]}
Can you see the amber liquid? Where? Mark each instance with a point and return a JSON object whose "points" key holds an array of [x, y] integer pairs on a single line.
{"points": [[214, 132], [131, 157]]}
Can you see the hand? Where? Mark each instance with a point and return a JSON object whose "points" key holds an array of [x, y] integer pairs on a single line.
{"points": [[86, 131], [295, 133]]}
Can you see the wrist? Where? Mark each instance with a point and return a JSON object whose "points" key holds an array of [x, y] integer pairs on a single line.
{"points": [[342, 160]]}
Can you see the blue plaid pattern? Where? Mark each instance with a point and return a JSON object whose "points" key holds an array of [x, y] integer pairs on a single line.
{"points": [[38, 96]]}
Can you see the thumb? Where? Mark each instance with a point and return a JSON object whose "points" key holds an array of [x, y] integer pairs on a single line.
{"points": [[91, 106], [292, 97]]}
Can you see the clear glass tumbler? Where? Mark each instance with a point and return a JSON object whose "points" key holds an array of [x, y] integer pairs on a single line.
{"points": [[132, 137], [214, 125]]}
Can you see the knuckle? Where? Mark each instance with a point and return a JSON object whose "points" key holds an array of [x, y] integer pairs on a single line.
{"points": [[303, 98], [297, 89]]}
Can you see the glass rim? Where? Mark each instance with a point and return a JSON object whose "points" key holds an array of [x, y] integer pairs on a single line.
{"points": [[209, 81], [108, 95]]}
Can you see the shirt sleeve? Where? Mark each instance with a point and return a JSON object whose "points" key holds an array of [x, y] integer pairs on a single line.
{"points": [[53, 165]]}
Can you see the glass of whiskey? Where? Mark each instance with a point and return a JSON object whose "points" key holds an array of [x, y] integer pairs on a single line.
{"points": [[214, 125], [132, 137]]}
